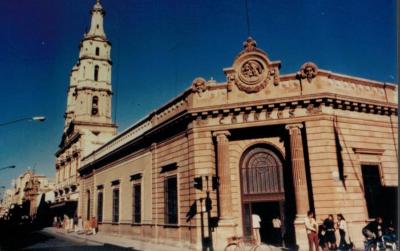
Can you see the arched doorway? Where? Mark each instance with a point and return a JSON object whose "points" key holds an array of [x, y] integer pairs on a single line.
{"points": [[263, 193]]}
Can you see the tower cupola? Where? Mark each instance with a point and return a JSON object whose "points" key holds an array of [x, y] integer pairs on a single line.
{"points": [[96, 25]]}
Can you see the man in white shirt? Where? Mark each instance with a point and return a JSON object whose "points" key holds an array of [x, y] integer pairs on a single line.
{"points": [[276, 225], [312, 230], [256, 227]]}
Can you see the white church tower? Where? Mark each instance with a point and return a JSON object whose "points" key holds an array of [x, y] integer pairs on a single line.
{"points": [[88, 119]]}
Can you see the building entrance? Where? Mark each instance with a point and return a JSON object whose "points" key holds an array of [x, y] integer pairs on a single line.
{"points": [[271, 226], [381, 200], [263, 195]]}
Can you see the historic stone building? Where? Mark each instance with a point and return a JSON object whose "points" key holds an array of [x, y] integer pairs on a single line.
{"points": [[25, 192], [279, 145], [88, 122]]}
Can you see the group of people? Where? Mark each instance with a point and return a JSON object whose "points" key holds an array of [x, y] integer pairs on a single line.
{"points": [[76, 224], [324, 236], [378, 235]]}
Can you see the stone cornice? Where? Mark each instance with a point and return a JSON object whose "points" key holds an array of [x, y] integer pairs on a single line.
{"points": [[97, 124], [126, 139], [68, 143], [94, 89], [96, 59], [95, 38], [343, 77], [368, 151], [339, 101]]}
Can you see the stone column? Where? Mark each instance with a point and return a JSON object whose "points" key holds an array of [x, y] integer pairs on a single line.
{"points": [[299, 182], [224, 174], [227, 223]]}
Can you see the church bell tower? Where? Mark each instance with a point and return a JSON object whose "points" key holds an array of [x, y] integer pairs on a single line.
{"points": [[88, 119], [89, 93]]}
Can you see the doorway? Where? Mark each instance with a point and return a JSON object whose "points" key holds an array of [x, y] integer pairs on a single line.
{"points": [[263, 194], [268, 211], [380, 200]]}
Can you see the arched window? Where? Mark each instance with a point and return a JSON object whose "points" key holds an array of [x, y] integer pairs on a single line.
{"points": [[261, 172], [95, 105], [97, 51], [96, 72]]}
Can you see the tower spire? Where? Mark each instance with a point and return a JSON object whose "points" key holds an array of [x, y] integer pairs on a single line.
{"points": [[96, 25]]}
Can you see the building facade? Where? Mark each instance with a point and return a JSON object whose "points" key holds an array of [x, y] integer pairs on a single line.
{"points": [[25, 192], [194, 171], [88, 121]]}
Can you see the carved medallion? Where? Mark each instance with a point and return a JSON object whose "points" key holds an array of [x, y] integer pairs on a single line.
{"points": [[252, 71], [251, 76]]}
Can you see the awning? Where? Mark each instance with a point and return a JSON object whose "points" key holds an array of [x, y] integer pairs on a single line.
{"points": [[64, 207]]}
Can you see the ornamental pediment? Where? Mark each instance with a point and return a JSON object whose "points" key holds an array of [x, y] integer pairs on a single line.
{"points": [[252, 71]]}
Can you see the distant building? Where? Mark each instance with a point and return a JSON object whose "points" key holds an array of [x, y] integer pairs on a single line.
{"points": [[6, 202], [25, 192], [88, 122]]}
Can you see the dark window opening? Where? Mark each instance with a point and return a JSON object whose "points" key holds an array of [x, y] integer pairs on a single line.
{"points": [[115, 208], [88, 206], [136, 203], [96, 73], [171, 200], [100, 207], [95, 105], [377, 195], [97, 51]]}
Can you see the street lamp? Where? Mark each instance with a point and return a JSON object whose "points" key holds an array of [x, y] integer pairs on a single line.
{"points": [[6, 167], [35, 118]]}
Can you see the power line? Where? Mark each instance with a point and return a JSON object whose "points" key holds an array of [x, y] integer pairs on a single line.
{"points": [[247, 18]]}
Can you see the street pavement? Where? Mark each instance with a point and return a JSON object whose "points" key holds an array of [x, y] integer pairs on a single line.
{"points": [[58, 239], [109, 241], [46, 240]]}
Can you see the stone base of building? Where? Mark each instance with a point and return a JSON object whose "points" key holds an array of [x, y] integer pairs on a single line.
{"points": [[301, 234]]}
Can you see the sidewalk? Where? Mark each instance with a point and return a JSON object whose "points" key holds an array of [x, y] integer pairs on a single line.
{"points": [[116, 240], [124, 241]]}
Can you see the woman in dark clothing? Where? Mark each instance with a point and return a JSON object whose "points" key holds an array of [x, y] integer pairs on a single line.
{"points": [[330, 238]]}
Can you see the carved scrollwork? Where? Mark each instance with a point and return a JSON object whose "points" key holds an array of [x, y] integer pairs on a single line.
{"points": [[250, 44], [274, 75], [308, 71]]}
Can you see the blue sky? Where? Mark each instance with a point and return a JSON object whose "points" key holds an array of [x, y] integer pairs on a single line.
{"points": [[160, 46]]}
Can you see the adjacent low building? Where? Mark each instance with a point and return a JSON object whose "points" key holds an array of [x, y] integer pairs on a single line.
{"points": [[260, 143]]}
